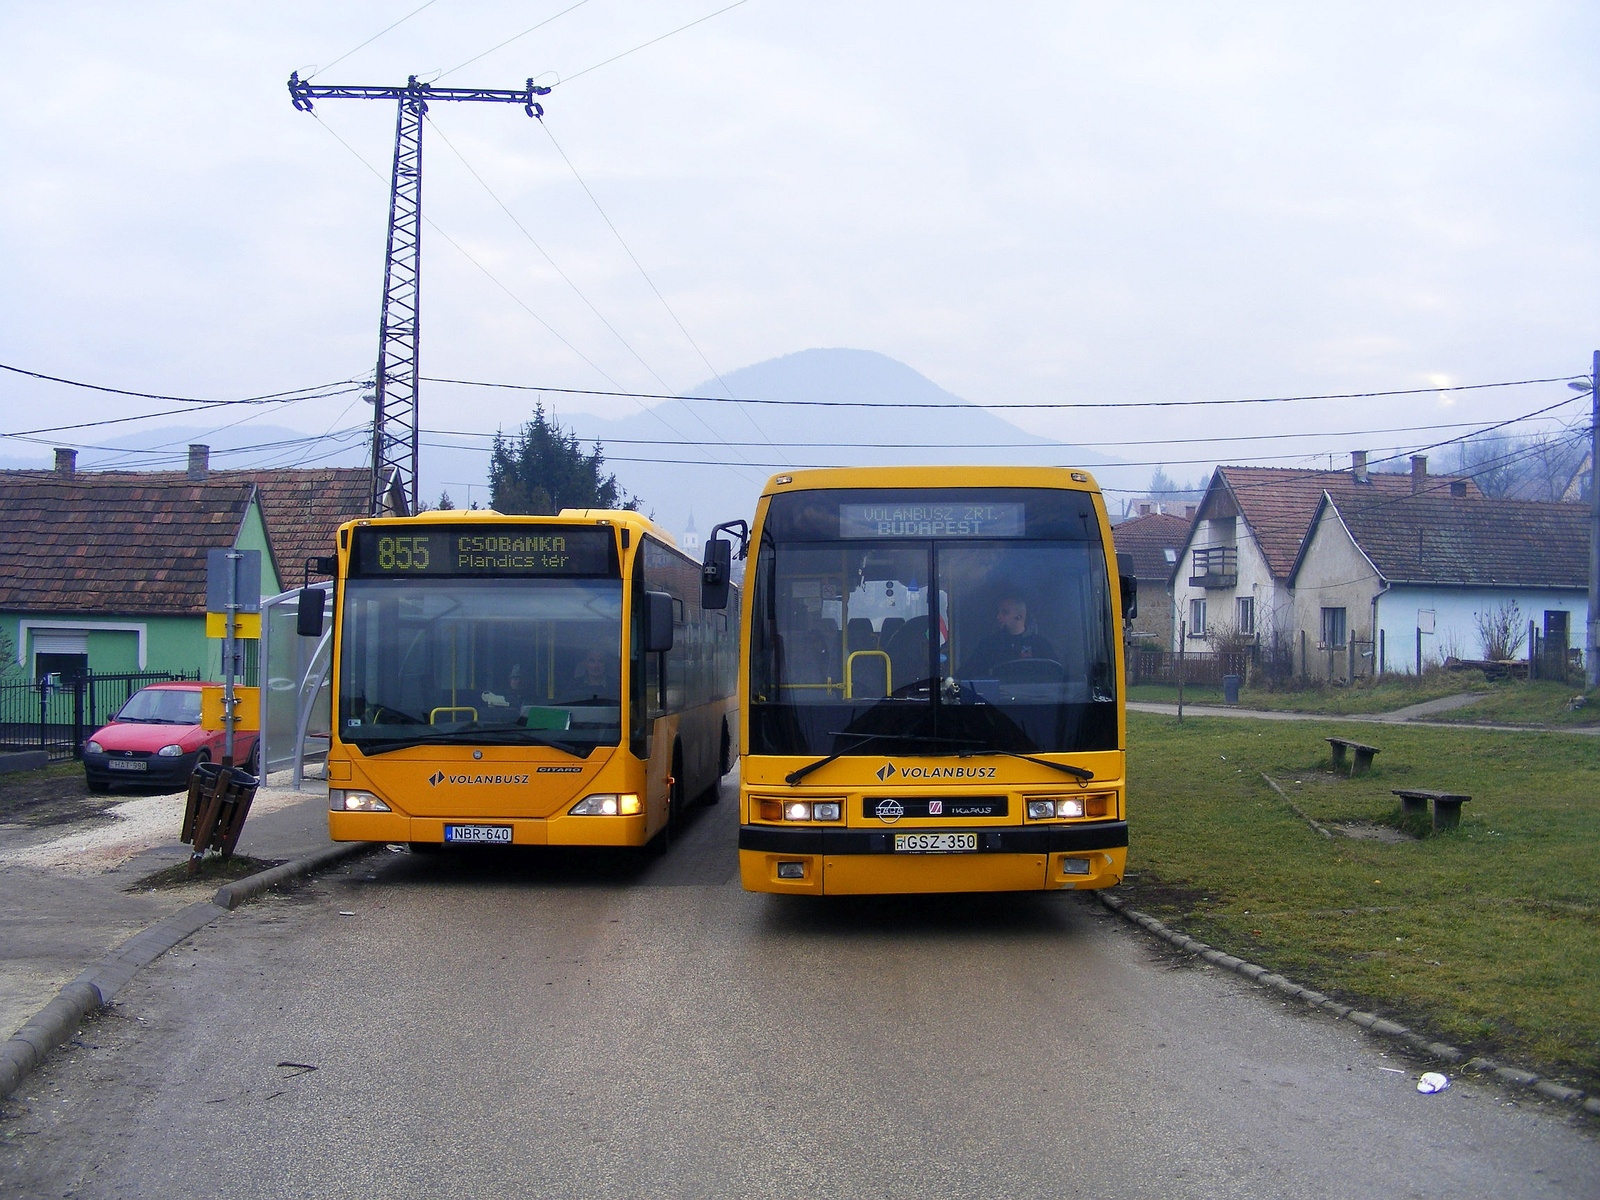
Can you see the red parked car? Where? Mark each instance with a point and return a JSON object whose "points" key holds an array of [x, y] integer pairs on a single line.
{"points": [[156, 739]]}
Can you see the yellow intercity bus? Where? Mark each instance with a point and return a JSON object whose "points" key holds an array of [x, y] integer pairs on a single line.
{"points": [[526, 681], [931, 696]]}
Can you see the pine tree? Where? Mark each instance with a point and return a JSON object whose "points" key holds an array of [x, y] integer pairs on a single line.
{"points": [[544, 469]]}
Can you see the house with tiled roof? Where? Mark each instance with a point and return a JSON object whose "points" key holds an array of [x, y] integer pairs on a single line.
{"points": [[106, 570], [1154, 540], [1423, 574], [1232, 574]]}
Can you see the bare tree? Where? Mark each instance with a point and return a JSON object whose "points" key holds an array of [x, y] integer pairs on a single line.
{"points": [[1503, 630]]}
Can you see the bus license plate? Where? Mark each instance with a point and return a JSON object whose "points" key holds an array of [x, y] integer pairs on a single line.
{"points": [[122, 764], [491, 835], [934, 843]]}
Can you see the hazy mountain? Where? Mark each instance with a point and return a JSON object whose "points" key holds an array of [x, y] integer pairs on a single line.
{"points": [[674, 480]]}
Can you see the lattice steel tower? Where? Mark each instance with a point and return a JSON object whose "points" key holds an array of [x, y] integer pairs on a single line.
{"points": [[395, 405]]}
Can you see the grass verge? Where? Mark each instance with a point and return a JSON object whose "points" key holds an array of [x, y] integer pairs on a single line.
{"points": [[1488, 937]]}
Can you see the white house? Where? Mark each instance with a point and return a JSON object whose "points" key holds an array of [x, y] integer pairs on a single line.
{"points": [[1232, 575], [1398, 583]]}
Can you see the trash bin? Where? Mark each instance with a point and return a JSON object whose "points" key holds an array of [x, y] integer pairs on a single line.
{"points": [[219, 801], [1230, 689]]}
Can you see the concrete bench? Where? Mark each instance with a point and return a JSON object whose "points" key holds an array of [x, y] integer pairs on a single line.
{"points": [[1363, 754], [1446, 805]]}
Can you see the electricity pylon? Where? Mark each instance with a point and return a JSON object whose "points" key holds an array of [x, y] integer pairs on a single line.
{"points": [[394, 416]]}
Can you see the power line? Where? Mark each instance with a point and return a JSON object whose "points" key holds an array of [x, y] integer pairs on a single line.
{"points": [[683, 329], [532, 241], [654, 40], [269, 398], [1035, 445], [372, 39], [1076, 404], [511, 39]]}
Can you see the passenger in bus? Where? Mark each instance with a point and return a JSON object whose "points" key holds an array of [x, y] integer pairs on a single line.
{"points": [[513, 694], [1009, 642]]}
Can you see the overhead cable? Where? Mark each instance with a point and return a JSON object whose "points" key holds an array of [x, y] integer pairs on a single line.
{"points": [[1064, 404]]}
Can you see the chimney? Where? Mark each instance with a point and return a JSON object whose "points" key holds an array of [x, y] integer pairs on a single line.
{"points": [[1419, 472], [1188, 512], [1144, 508], [66, 461], [199, 463], [1458, 488], [1358, 466]]}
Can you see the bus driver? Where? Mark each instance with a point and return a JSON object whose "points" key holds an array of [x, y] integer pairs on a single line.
{"points": [[1009, 642]]}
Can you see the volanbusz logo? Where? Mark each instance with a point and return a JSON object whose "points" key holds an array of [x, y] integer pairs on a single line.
{"points": [[436, 779], [885, 771]]}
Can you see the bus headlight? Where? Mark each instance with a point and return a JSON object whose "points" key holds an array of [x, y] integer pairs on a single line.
{"points": [[607, 804], [344, 800], [825, 810], [1070, 808], [799, 810], [1076, 866], [1041, 810]]}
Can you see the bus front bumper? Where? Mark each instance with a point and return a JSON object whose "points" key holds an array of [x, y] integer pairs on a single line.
{"points": [[557, 831], [838, 861]]}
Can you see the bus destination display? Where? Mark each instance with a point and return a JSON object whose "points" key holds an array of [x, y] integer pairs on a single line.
{"points": [[396, 551], [913, 520]]}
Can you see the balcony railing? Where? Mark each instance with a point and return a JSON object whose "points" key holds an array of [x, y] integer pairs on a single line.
{"points": [[1215, 567]]}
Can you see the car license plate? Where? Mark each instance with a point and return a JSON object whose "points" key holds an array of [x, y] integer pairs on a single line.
{"points": [[492, 835], [123, 764], [935, 843]]}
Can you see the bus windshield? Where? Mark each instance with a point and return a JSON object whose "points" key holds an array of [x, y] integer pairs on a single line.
{"points": [[495, 661], [869, 632]]}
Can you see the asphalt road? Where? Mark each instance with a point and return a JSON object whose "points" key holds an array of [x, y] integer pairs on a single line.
{"points": [[539, 1025]]}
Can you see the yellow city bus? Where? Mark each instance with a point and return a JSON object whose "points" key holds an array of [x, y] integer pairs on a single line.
{"points": [[529, 681], [931, 696]]}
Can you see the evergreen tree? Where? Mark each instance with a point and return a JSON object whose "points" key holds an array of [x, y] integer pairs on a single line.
{"points": [[544, 469]]}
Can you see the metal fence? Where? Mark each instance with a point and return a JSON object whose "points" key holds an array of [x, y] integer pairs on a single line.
{"points": [[1146, 665], [57, 713]]}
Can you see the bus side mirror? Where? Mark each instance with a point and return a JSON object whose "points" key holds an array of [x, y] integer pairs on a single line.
{"points": [[1130, 586], [308, 615], [716, 574], [657, 622]]}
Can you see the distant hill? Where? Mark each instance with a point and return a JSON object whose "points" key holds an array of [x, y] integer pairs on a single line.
{"points": [[674, 480]]}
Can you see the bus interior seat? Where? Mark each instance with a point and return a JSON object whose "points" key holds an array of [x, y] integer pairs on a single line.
{"points": [[891, 626], [860, 635], [908, 651]]}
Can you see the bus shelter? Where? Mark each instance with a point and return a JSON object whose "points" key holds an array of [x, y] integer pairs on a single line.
{"points": [[295, 685]]}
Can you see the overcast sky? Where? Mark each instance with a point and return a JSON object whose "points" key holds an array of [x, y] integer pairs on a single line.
{"points": [[1028, 202]]}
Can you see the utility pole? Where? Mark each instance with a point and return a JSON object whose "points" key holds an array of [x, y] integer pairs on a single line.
{"points": [[1591, 646], [394, 409]]}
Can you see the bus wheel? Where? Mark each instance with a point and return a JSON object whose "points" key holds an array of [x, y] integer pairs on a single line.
{"points": [[677, 804], [724, 758]]}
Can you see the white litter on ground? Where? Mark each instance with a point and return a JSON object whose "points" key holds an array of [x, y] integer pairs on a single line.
{"points": [[1432, 1082], [140, 824]]}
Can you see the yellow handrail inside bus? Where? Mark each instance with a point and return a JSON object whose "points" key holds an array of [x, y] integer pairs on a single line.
{"points": [[850, 666], [433, 716]]}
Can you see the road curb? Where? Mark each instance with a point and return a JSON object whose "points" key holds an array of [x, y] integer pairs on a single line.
{"points": [[1371, 1022], [58, 1020]]}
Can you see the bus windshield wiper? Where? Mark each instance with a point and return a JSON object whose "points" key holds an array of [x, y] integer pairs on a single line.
{"points": [[1078, 773], [468, 736], [793, 778]]}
